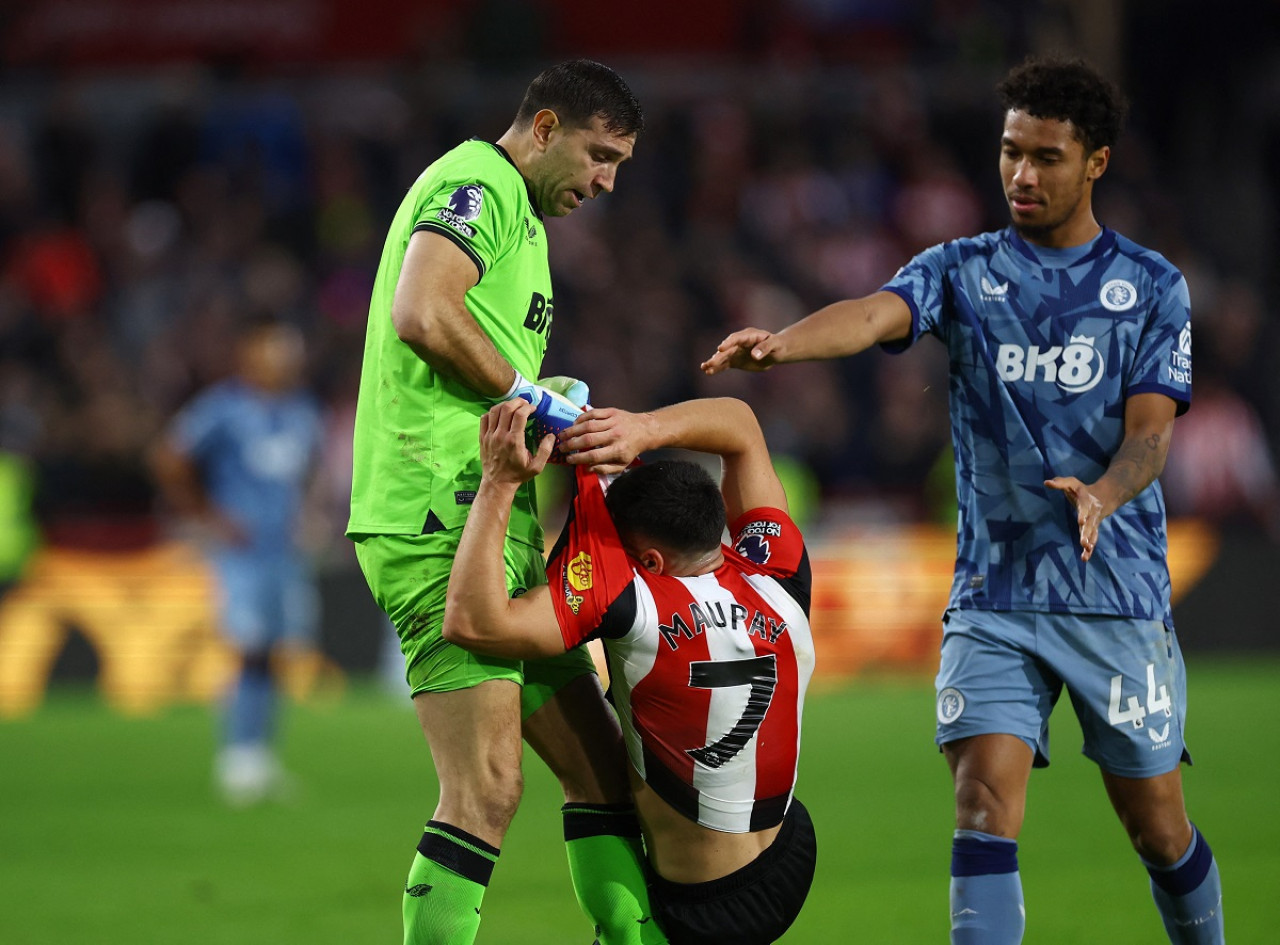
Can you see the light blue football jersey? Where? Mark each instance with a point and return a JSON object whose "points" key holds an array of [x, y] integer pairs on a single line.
{"points": [[1045, 346], [255, 453]]}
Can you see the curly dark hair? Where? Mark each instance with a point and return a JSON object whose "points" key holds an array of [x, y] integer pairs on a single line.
{"points": [[672, 501], [1067, 90], [577, 91]]}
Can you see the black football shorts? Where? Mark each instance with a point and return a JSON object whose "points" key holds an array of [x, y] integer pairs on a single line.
{"points": [[751, 906]]}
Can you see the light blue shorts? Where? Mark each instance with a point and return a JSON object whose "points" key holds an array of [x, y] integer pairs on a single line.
{"points": [[265, 600], [1002, 673]]}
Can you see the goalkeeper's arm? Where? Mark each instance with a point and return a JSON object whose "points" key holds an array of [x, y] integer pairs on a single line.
{"points": [[430, 316]]}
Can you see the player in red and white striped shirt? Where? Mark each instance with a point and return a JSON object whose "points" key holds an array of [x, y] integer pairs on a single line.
{"points": [[708, 645]]}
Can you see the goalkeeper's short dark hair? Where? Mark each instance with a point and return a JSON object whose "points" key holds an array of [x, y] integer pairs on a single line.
{"points": [[579, 90], [1067, 90], [673, 502]]}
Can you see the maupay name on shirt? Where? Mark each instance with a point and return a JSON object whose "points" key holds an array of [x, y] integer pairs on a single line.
{"points": [[698, 616]]}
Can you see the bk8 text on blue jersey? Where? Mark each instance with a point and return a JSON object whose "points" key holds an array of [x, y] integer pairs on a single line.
{"points": [[1045, 346]]}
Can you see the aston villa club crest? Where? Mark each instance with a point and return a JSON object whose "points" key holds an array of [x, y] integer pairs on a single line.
{"points": [[1118, 295], [950, 705]]}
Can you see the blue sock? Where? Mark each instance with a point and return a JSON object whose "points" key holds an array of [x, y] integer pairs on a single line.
{"points": [[986, 890], [250, 712], [1189, 895]]}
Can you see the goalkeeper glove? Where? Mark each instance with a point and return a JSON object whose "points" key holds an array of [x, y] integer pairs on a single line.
{"points": [[553, 412], [569, 387]]}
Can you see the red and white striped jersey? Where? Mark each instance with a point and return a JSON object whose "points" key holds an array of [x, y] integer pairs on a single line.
{"points": [[708, 673]]}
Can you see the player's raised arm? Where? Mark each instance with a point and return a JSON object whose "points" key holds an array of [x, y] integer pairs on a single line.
{"points": [[479, 613], [839, 329], [1148, 430], [608, 440], [430, 316]]}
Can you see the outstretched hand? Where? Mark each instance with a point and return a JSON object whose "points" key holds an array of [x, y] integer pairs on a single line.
{"points": [[749, 349], [504, 454], [607, 440], [1088, 510]]}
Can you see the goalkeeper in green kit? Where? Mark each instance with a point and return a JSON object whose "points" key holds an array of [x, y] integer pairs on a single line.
{"points": [[461, 310]]}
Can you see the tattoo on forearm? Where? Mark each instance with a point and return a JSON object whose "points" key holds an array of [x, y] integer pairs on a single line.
{"points": [[1136, 464]]}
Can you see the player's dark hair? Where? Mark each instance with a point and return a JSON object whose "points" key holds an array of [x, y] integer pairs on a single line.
{"points": [[672, 501], [1067, 90], [579, 90]]}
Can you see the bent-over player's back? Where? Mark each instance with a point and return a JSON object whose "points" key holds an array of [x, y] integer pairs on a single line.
{"points": [[708, 676]]}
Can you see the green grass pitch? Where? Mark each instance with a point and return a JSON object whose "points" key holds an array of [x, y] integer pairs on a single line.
{"points": [[110, 833]]}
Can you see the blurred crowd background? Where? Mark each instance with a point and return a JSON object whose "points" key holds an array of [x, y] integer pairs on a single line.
{"points": [[167, 171]]}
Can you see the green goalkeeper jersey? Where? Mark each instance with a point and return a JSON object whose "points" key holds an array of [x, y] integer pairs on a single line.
{"points": [[416, 446]]}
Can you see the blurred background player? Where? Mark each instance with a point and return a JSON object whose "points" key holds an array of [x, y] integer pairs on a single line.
{"points": [[460, 315], [237, 461], [709, 647], [1070, 356]]}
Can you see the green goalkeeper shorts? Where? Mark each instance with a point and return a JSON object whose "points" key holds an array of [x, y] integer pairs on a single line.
{"points": [[409, 574]]}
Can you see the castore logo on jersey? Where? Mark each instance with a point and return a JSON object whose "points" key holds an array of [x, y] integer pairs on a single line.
{"points": [[994, 291]]}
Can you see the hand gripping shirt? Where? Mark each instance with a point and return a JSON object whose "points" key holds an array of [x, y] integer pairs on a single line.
{"points": [[416, 445], [708, 673], [1045, 346]]}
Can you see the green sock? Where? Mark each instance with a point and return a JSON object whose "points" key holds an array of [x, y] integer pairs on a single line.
{"points": [[446, 885], [606, 862]]}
